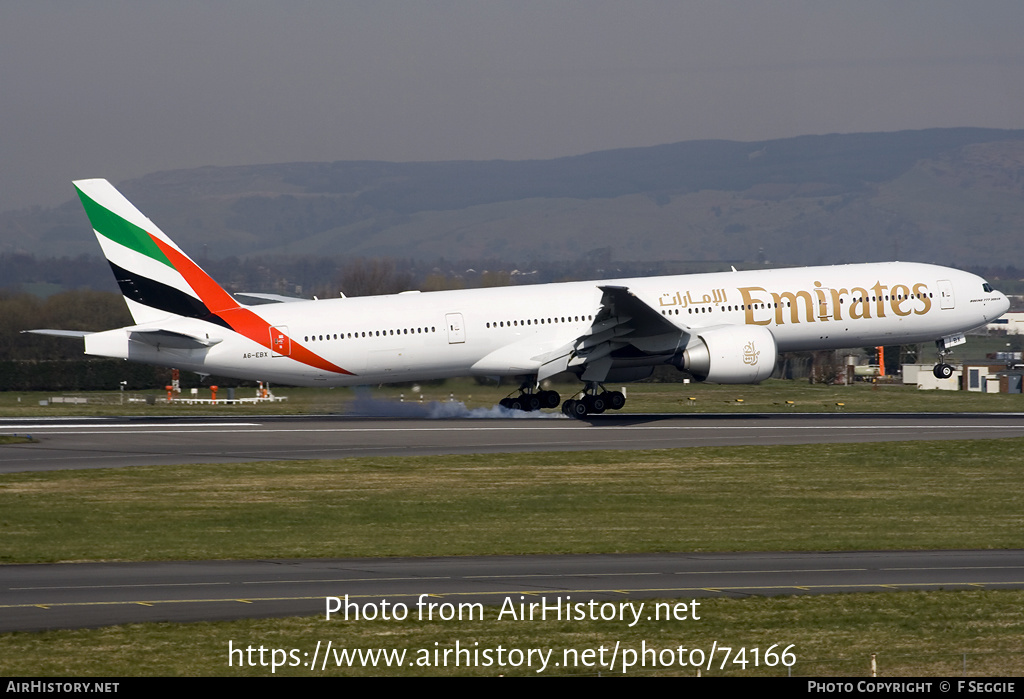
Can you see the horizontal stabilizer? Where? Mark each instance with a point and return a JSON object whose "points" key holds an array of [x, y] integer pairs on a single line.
{"points": [[171, 339], [60, 333]]}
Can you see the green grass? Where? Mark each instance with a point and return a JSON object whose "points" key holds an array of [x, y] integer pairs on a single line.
{"points": [[900, 495], [15, 439], [912, 634], [770, 396]]}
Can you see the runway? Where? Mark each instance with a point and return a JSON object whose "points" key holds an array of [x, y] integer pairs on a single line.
{"points": [[77, 443], [37, 597]]}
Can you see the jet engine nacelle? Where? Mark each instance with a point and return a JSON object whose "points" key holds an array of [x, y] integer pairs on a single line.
{"points": [[730, 354]]}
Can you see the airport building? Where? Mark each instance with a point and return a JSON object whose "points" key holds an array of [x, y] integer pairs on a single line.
{"points": [[1011, 323]]}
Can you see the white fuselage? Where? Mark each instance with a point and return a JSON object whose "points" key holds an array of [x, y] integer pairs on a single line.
{"points": [[503, 331]]}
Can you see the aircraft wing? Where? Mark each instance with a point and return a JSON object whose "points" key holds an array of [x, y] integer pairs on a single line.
{"points": [[249, 297], [624, 324], [619, 301]]}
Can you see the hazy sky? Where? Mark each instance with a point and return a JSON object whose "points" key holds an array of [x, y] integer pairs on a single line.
{"points": [[118, 89]]}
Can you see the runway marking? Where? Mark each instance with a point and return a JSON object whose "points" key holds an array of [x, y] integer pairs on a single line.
{"points": [[554, 575], [55, 418], [229, 582], [767, 589], [794, 570], [105, 587], [620, 428], [960, 568], [126, 427], [581, 574], [333, 580]]}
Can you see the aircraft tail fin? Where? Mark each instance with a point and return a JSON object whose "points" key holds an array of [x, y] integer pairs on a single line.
{"points": [[157, 279]]}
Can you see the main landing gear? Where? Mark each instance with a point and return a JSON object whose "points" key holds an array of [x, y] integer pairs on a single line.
{"points": [[594, 401], [531, 401]]}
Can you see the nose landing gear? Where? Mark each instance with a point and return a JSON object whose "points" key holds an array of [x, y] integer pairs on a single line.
{"points": [[942, 370]]}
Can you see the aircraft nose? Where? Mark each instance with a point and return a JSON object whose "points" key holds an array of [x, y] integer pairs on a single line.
{"points": [[1004, 303]]}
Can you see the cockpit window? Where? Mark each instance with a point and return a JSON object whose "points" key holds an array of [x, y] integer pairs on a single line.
{"points": [[987, 287]]}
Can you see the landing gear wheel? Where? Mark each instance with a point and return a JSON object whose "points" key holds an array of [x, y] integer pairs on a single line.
{"points": [[614, 400], [549, 399], [942, 371], [575, 408], [529, 400], [595, 403]]}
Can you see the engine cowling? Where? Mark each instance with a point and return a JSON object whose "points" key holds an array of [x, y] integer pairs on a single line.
{"points": [[730, 354]]}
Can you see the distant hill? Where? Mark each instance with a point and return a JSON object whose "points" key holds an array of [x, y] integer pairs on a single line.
{"points": [[951, 196]]}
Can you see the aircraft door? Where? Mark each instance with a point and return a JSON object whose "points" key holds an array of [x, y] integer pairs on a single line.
{"points": [[456, 329], [946, 299], [280, 343]]}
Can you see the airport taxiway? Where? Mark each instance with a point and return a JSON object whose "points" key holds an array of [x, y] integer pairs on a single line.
{"points": [[37, 597]]}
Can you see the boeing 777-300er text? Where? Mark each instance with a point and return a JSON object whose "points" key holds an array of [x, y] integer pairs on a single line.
{"points": [[725, 327]]}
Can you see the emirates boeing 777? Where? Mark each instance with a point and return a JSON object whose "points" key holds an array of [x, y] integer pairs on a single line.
{"points": [[726, 327]]}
